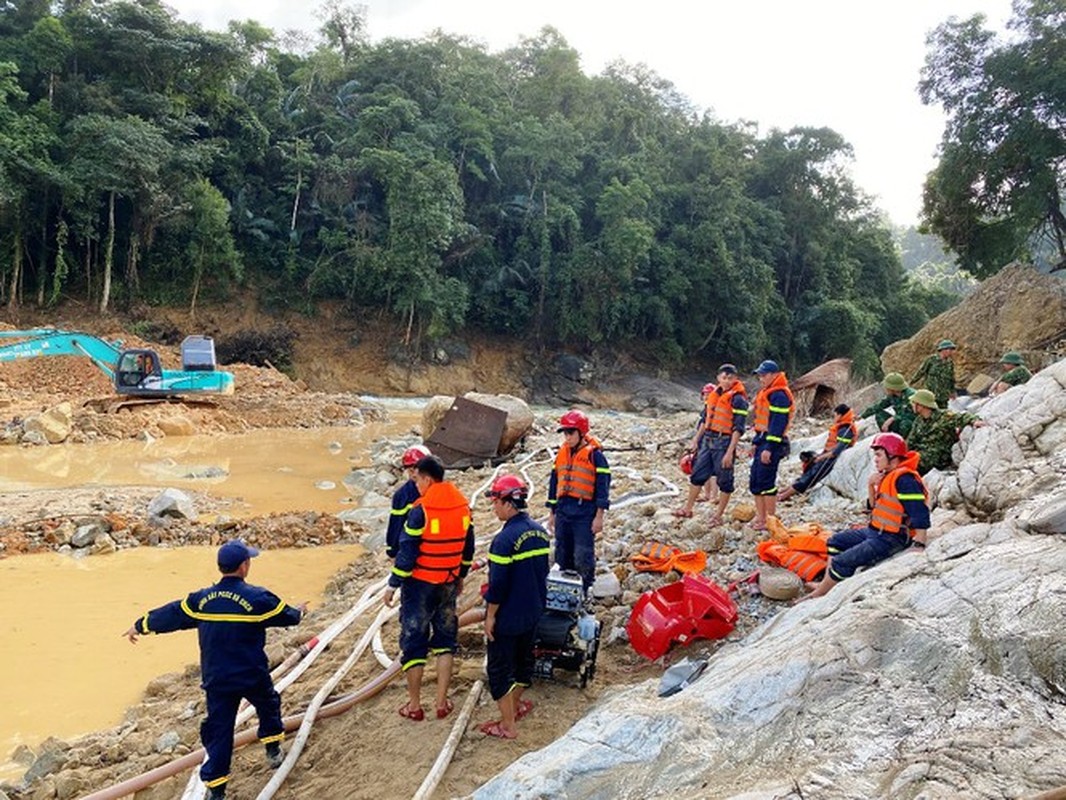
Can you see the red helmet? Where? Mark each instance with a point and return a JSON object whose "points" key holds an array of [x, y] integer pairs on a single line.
{"points": [[686, 463], [574, 419], [892, 443], [508, 487], [412, 455], [708, 388]]}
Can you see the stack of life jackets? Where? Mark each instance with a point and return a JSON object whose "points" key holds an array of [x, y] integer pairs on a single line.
{"points": [[801, 549]]}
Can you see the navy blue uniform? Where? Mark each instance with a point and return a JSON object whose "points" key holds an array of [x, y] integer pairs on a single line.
{"points": [[403, 499], [518, 573], [231, 619], [763, 477], [575, 545]]}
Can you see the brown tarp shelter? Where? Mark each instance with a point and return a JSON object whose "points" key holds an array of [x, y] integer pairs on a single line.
{"points": [[823, 388]]}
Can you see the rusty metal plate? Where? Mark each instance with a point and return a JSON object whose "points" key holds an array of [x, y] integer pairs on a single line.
{"points": [[469, 431]]}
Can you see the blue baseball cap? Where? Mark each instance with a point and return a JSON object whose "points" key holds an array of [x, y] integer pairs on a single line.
{"points": [[234, 553], [766, 367]]}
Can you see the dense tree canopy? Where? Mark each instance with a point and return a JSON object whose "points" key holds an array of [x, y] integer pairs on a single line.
{"points": [[998, 187], [143, 159]]}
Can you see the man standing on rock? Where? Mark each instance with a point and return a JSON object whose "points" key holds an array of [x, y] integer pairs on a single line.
{"points": [[578, 496], [231, 619], [434, 555], [516, 594], [773, 413], [938, 373], [893, 413], [404, 498], [898, 520], [935, 431]]}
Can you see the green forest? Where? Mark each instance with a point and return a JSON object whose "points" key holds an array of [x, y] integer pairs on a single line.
{"points": [[441, 187]]}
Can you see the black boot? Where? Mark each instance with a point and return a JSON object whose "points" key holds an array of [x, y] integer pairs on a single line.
{"points": [[274, 755], [216, 792]]}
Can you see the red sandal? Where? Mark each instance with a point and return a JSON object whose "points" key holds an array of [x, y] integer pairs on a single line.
{"points": [[445, 710], [522, 708], [494, 728], [417, 715]]}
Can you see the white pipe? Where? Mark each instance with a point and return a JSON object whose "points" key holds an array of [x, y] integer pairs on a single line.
{"points": [[444, 758], [304, 733]]}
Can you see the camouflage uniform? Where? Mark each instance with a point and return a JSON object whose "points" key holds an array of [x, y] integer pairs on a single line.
{"points": [[939, 376], [934, 437], [1016, 376], [902, 415]]}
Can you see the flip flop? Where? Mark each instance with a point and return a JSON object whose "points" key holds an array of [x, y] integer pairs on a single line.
{"points": [[495, 729], [681, 512], [445, 710], [716, 521], [758, 526], [523, 708], [415, 716]]}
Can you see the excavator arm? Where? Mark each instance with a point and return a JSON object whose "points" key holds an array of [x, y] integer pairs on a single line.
{"points": [[41, 342]]}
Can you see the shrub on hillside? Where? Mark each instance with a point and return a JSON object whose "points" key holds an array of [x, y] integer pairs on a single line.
{"points": [[262, 348]]}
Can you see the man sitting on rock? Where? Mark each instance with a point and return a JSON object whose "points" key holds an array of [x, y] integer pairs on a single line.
{"points": [[899, 517], [935, 431], [1015, 373], [842, 435], [893, 413]]}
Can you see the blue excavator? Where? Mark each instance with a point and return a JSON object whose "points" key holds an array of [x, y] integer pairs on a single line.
{"points": [[137, 371]]}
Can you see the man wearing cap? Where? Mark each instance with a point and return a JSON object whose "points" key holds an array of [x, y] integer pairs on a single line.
{"points": [[935, 431], [938, 373], [231, 619], [725, 415], [404, 498], [773, 413], [893, 413], [1014, 373]]}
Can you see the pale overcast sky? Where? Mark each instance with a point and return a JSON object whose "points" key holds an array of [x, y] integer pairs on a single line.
{"points": [[851, 65]]}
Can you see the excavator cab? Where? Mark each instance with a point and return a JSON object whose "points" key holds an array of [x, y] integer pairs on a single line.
{"points": [[139, 371]]}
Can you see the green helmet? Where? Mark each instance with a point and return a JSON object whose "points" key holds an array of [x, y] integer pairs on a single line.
{"points": [[945, 344], [924, 397], [1012, 358], [894, 382]]}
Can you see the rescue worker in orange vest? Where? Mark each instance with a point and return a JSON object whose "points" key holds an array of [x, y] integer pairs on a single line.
{"points": [[578, 495], [773, 414], [702, 462], [710, 488], [728, 420], [899, 519], [842, 435], [435, 552]]}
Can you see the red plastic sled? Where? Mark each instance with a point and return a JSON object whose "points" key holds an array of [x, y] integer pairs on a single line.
{"points": [[692, 608]]}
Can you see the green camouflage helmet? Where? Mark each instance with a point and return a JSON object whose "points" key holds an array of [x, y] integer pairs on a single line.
{"points": [[895, 382], [924, 397], [1012, 358], [946, 344]]}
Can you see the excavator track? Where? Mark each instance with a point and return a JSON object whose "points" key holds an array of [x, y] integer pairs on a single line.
{"points": [[113, 405]]}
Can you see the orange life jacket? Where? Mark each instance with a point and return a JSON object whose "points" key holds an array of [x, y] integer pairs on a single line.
{"points": [[575, 471], [834, 432], [807, 565], [888, 514], [763, 408], [720, 418], [440, 552]]}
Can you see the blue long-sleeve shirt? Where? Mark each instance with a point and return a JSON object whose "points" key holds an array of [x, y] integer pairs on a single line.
{"points": [[407, 551], [518, 573], [402, 501], [231, 619], [909, 489], [780, 411]]}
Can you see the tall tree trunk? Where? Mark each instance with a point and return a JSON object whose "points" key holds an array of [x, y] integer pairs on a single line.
{"points": [[133, 256], [16, 272], [109, 254], [545, 267], [198, 274], [42, 268], [89, 270]]}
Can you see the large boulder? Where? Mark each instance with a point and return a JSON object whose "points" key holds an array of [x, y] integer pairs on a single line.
{"points": [[53, 425], [519, 416], [1017, 309]]}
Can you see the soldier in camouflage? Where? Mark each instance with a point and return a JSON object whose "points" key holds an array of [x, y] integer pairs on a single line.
{"points": [[893, 412], [935, 431], [937, 373], [1014, 373]]}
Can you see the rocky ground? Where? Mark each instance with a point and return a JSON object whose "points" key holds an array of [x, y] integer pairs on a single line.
{"points": [[370, 751]]}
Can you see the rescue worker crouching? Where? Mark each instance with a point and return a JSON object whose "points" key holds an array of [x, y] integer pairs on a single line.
{"points": [[231, 618], [1015, 373], [435, 552], [935, 431], [578, 496], [842, 435], [516, 595], [898, 520], [892, 413]]}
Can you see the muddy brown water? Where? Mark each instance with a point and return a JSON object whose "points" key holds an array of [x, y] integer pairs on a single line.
{"points": [[67, 670]]}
